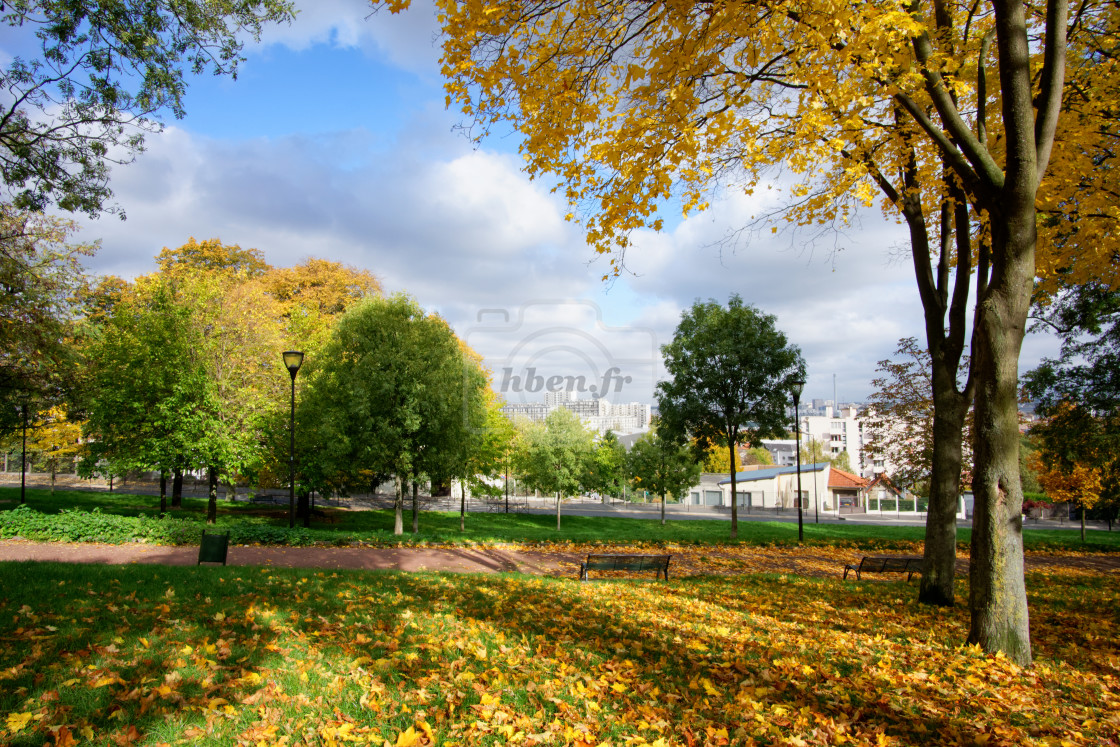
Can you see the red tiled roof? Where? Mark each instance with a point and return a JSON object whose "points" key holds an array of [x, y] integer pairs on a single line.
{"points": [[838, 478]]}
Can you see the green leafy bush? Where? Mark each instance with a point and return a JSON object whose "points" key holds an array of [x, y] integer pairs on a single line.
{"points": [[95, 526]]}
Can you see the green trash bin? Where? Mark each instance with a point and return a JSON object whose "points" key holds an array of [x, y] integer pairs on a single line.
{"points": [[214, 548]]}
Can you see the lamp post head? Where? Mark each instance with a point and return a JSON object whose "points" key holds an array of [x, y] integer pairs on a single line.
{"points": [[796, 386], [293, 359]]}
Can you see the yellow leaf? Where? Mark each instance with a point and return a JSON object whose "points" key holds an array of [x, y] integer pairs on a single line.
{"points": [[18, 721], [408, 738]]}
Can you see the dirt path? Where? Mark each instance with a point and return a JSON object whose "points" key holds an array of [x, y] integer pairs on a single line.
{"points": [[811, 561]]}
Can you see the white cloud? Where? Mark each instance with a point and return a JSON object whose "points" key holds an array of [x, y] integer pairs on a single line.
{"points": [[407, 39], [459, 232]]}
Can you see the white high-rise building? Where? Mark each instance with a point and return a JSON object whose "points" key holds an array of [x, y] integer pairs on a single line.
{"points": [[597, 414], [843, 431]]}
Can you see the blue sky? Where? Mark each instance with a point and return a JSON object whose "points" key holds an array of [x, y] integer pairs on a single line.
{"points": [[334, 142]]}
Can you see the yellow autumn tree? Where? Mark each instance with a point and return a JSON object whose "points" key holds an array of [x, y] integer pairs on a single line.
{"points": [[945, 112], [56, 441], [717, 460], [1080, 484]]}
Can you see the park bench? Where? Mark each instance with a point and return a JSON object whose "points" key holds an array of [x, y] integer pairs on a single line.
{"points": [[273, 498], [886, 564], [657, 563]]}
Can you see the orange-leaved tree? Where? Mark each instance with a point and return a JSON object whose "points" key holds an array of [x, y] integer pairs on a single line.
{"points": [[1076, 459]]}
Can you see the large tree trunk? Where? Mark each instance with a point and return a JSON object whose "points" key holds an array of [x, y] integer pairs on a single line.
{"points": [[162, 492], [939, 562], [997, 593]]}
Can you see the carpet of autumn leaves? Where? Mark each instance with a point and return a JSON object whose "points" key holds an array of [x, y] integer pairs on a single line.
{"points": [[154, 655]]}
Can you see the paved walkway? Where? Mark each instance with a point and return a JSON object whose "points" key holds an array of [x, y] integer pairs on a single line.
{"points": [[460, 559], [687, 561]]}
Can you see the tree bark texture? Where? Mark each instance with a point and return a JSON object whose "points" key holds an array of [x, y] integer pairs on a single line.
{"points": [[939, 560], [997, 590]]}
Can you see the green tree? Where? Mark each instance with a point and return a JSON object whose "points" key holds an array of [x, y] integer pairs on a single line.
{"points": [[383, 399], [103, 74], [730, 374], [607, 466], [662, 467], [489, 453], [556, 457], [148, 401], [1077, 395], [236, 325], [453, 412]]}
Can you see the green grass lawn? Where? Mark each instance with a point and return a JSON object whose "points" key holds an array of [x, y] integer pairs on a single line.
{"points": [[122, 517], [224, 656]]}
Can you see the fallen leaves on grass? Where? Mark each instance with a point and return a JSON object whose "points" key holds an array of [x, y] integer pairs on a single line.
{"points": [[278, 656]]}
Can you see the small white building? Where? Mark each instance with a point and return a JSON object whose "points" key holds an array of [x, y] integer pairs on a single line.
{"points": [[776, 487]]}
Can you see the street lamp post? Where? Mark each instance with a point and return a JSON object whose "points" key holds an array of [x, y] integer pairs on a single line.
{"points": [[23, 460], [293, 359], [795, 387]]}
